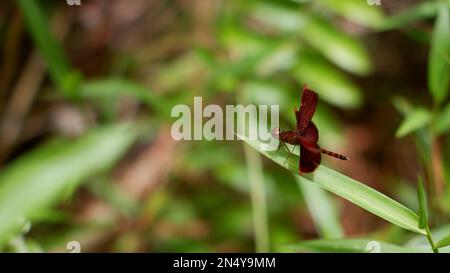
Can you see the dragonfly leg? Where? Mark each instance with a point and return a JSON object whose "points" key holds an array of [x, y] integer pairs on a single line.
{"points": [[280, 143], [289, 153]]}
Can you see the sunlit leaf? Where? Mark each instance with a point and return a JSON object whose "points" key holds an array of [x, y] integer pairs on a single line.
{"points": [[347, 188], [278, 16], [283, 57], [265, 93], [355, 10], [417, 12], [415, 120], [345, 51], [443, 242], [331, 85]]}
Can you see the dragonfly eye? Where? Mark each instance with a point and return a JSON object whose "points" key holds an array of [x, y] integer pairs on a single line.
{"points": [[276, 133]]}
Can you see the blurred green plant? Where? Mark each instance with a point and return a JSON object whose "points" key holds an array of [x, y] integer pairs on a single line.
{"points": [[288, 42], [43, 177], [429, 125]]}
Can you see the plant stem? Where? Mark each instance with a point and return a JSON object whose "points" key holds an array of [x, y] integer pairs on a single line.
{"points": [[258, 198], [436, 161], [430, 240]]}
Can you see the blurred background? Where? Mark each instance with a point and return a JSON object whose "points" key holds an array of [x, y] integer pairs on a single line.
{"points": [[86, 93]]}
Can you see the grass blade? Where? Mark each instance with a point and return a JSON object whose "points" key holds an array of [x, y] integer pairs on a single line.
{"points": [[418, 12], [442, 121], [443, 242], [114, 88], [423, 212], [321, 209], [51, 50], [347, 188], [343, 50], [438, 68], [352, 246], [415, 120]]}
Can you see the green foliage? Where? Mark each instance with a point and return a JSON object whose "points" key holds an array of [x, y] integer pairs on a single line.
{"points": [[115, 88], [443, 242], [421, 11], [51, 50], [423, 211], [442, 122], [261, 52], [355, 10], [416, 119], [331, 85], [39, 179], [438, 67], [343, 50], [322, 209], [347, 188], [351, 246]]}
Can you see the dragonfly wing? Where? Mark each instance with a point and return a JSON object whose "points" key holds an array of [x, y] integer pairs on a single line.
{"points": [[307, 109], [311, 134], [309, 158]]}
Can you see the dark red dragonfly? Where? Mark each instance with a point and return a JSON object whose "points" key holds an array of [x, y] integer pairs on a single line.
{"points": [[306, 134]]}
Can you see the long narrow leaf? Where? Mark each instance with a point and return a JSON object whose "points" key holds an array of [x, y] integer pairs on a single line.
{"points": [[114, 88], [438, 68], [352, 246], [420, 11], [413, 121], [442, 121], [321, 209], [443, 242], [50, 49], [423, 212], [348, 188]]}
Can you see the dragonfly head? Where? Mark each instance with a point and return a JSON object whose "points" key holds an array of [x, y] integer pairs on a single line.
{"points": [[276, 133]]}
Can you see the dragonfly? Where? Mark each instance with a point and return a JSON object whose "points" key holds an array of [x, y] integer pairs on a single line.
{"points": [[305, 134]]}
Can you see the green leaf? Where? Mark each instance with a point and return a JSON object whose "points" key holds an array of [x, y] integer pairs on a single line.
{"points": [[443, 242], [438, 68], [355, 10], [278, 15], [345, 51], [42, 177], [282, 58], [439, 233], [322, 210], [415, 120], [115, 88], [352, 246], [347, 188], [51, 50], [442, 121], [423, 212], [420, 11], [331, 84]]}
